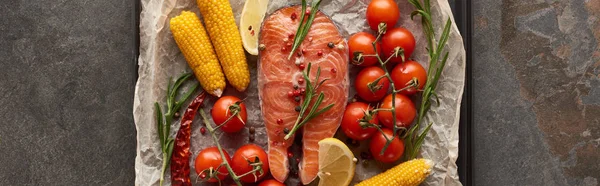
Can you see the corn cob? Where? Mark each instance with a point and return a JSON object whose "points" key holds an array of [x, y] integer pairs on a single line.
{"points": [[410, 173], [193, 42], [224, 34]]}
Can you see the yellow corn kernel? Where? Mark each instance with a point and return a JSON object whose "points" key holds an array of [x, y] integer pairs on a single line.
{"points": [[193, 42], [224, 34], [410, 173]]}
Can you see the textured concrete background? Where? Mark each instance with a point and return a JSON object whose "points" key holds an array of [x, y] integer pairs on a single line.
{"points": [[66, 92], [536, 92], [66, 89]]}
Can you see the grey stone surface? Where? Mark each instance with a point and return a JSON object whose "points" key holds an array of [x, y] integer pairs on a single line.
{"points": [[66, 89], [536, 81]]}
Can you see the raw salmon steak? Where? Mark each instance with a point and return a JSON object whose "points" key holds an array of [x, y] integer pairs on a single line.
{"points": [[323, 47]]}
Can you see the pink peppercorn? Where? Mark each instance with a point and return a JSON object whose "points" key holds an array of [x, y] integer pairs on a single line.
{"points": [[293, 16]]}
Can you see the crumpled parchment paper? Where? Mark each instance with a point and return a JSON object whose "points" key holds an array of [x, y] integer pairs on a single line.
{"points": [[160, 59]]}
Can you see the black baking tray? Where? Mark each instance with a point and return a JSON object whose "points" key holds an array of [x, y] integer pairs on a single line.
{"points": [[463, 18]]}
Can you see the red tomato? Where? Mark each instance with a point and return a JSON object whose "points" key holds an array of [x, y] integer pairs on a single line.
{"points": [[224, 108], [363, 42], [397, 37], [405, 111], [355, 112], [393, 152], [379, 11], [211, 158], [271, 182], [403, 74], [369, 75], [240, 164]]}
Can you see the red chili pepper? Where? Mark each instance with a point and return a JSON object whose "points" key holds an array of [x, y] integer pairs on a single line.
{"points": [[180, 160]]}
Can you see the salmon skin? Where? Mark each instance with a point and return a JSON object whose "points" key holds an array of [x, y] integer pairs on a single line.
{"points": [[323, 47]]}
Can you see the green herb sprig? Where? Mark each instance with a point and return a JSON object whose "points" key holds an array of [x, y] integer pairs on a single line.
{"points": [[304, 27], [164, 121], [414, 138], [311, 91]]}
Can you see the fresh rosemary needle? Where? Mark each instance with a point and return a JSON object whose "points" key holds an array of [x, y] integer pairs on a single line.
{"points": [[414, 138], [164, 122], [303, 26], [311, 92]]}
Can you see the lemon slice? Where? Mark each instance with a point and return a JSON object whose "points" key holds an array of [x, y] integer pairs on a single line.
{"points": [[250, 22], [336, 163]]}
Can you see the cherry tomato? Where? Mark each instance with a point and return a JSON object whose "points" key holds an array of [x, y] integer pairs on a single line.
{"points": [[405, 111], [397, 37], [271, 182], [211, 158], [404, 73], [393, 152], [228, 106], [367, 76], [363, 42], [379, 11], [241, 165], [355, 112]]}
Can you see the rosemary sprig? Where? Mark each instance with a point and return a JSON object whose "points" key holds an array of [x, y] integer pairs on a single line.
{"points": [[256, 164], [164, 122], [414, 138], [308, 96], [303, 27]]}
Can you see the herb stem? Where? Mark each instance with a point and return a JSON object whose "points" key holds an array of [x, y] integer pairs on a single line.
{"points": [[164, 168], [164, 122], [414, 138], [309, 95], [304, 27]]}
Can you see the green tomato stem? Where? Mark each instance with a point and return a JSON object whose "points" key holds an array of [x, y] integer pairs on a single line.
{"points": [[212, 132]]}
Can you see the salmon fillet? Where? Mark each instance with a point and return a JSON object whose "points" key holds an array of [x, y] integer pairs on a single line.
{"points": [[277, 76]]}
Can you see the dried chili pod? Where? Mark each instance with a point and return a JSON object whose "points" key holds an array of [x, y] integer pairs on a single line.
{"points": [[180, 160]]}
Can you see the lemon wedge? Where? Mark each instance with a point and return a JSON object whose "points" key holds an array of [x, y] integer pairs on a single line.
{"points": [[336, 163], [253, 14]]}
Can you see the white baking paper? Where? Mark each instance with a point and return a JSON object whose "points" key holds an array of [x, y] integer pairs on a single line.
{"points": [[160, 59]]}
